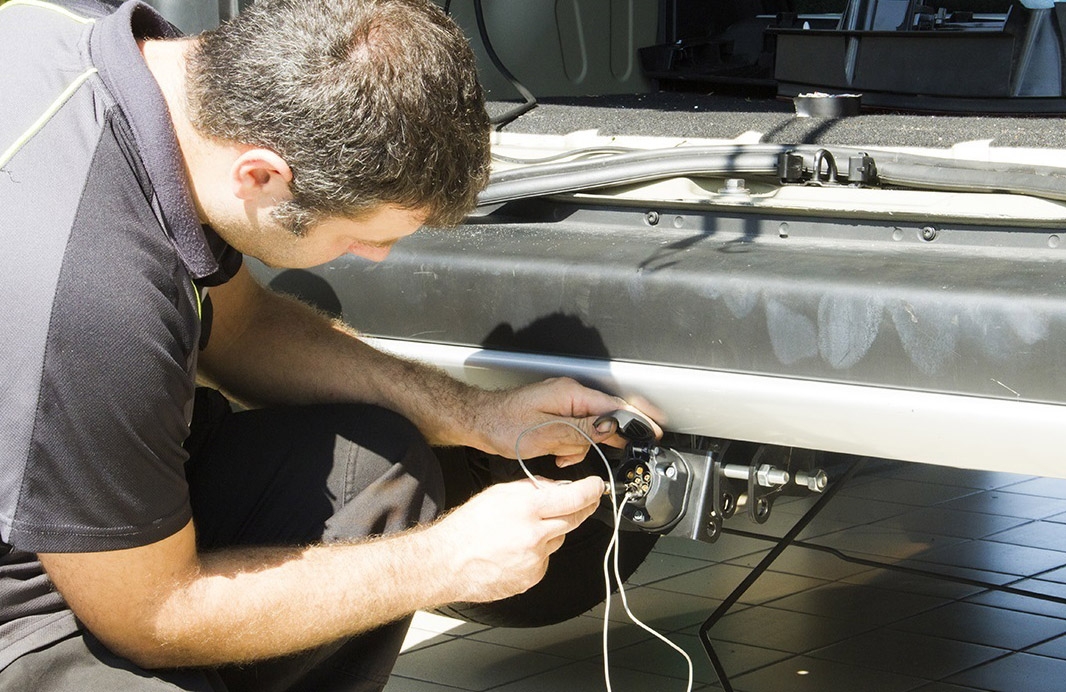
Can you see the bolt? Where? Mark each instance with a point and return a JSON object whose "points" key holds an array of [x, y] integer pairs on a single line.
{"points": [[651, 218], [638, 516], [768, 476], [929, 233], [815, 481], [735, 186], [670, 472]]}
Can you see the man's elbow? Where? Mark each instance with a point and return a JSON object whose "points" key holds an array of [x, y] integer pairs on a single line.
{"points": [[146, 648]]}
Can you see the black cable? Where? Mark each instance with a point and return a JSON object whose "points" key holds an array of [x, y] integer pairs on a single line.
{"points": [[894, 567], [634, 167], [530, 101], [909, 171], [932, 173]]}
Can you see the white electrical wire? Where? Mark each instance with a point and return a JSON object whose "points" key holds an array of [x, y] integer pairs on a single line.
{"points": [[625, 604], [612, 547]]}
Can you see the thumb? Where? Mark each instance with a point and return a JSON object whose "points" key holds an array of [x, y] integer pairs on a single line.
{"points": [[598, 428], [602, 425], [604, 430], [569, 497]]}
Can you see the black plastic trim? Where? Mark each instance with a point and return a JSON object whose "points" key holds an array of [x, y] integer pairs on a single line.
{"points": [[963, 309]]}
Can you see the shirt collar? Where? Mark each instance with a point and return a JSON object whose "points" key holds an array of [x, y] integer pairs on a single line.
{"points": [[115, 53]]}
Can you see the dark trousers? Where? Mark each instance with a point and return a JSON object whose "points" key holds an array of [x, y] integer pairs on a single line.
{"points": [[284, 476]]}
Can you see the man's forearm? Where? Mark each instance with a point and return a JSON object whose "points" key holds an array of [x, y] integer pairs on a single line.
{"points": [[161, 605], [249, 604], [268, 349], [444, 409], [280, 351]]}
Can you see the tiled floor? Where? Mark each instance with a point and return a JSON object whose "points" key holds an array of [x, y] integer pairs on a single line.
{"points": [[813, 622]]}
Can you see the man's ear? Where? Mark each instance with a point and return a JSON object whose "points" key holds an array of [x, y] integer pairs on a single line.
{"points": [[259, 173]]}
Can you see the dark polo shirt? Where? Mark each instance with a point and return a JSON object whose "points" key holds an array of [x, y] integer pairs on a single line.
{"points": [[102, 263]]}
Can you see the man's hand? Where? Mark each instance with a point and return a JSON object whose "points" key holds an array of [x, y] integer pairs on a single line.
{"points": [[500, 540], [503, 416]]}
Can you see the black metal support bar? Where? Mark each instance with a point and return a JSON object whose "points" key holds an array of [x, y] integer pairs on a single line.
{"points": [[931, 574], [786, 540]]}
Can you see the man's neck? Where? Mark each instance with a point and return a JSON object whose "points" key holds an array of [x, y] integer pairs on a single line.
{"points": [[166, 62]]}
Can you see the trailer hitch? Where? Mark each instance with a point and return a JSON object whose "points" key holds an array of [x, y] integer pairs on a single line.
{"points": [[692, 492]]}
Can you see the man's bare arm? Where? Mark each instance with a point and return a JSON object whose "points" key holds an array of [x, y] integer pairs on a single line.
{"points": [[268, 349], [162, 605]]}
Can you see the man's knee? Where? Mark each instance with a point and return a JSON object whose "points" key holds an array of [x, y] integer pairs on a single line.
{"points": [[385, 474], [306, 473]]}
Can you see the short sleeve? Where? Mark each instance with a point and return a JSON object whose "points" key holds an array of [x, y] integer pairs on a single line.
{"points": [[104, 464]]}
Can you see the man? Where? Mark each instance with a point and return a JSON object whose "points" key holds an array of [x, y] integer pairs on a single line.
{"points": [[145, 552]]}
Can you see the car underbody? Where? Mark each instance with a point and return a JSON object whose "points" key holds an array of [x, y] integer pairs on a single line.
{"points": [[898, 301]]}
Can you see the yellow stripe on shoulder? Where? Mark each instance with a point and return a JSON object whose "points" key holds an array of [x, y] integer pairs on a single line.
{"points": [[48, 113], [47, 6]]}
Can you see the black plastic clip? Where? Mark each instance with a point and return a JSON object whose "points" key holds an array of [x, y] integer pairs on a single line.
{"points": [[862, 170]]}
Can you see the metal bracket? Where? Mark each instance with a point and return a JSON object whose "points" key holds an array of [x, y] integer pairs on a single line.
{"points": [[820, 168], [731, 475]]}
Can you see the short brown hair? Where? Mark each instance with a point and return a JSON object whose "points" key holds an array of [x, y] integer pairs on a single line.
{"points": [[370, 102]]}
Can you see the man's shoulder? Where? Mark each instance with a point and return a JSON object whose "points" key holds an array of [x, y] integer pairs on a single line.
{"points": [[74, 9]]}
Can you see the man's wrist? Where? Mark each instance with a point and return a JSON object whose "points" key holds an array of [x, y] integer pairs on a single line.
{"points": [[439, 551], [483, 412]]}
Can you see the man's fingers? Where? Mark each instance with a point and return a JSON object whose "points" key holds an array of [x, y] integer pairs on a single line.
{"points": [[555, 543], [564, 500], [562, 461], [571, 446], [556, 529], [606, 431]]}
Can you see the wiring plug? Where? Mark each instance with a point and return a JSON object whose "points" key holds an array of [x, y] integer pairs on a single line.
{"points": [[638, 481], [636, 485]]}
